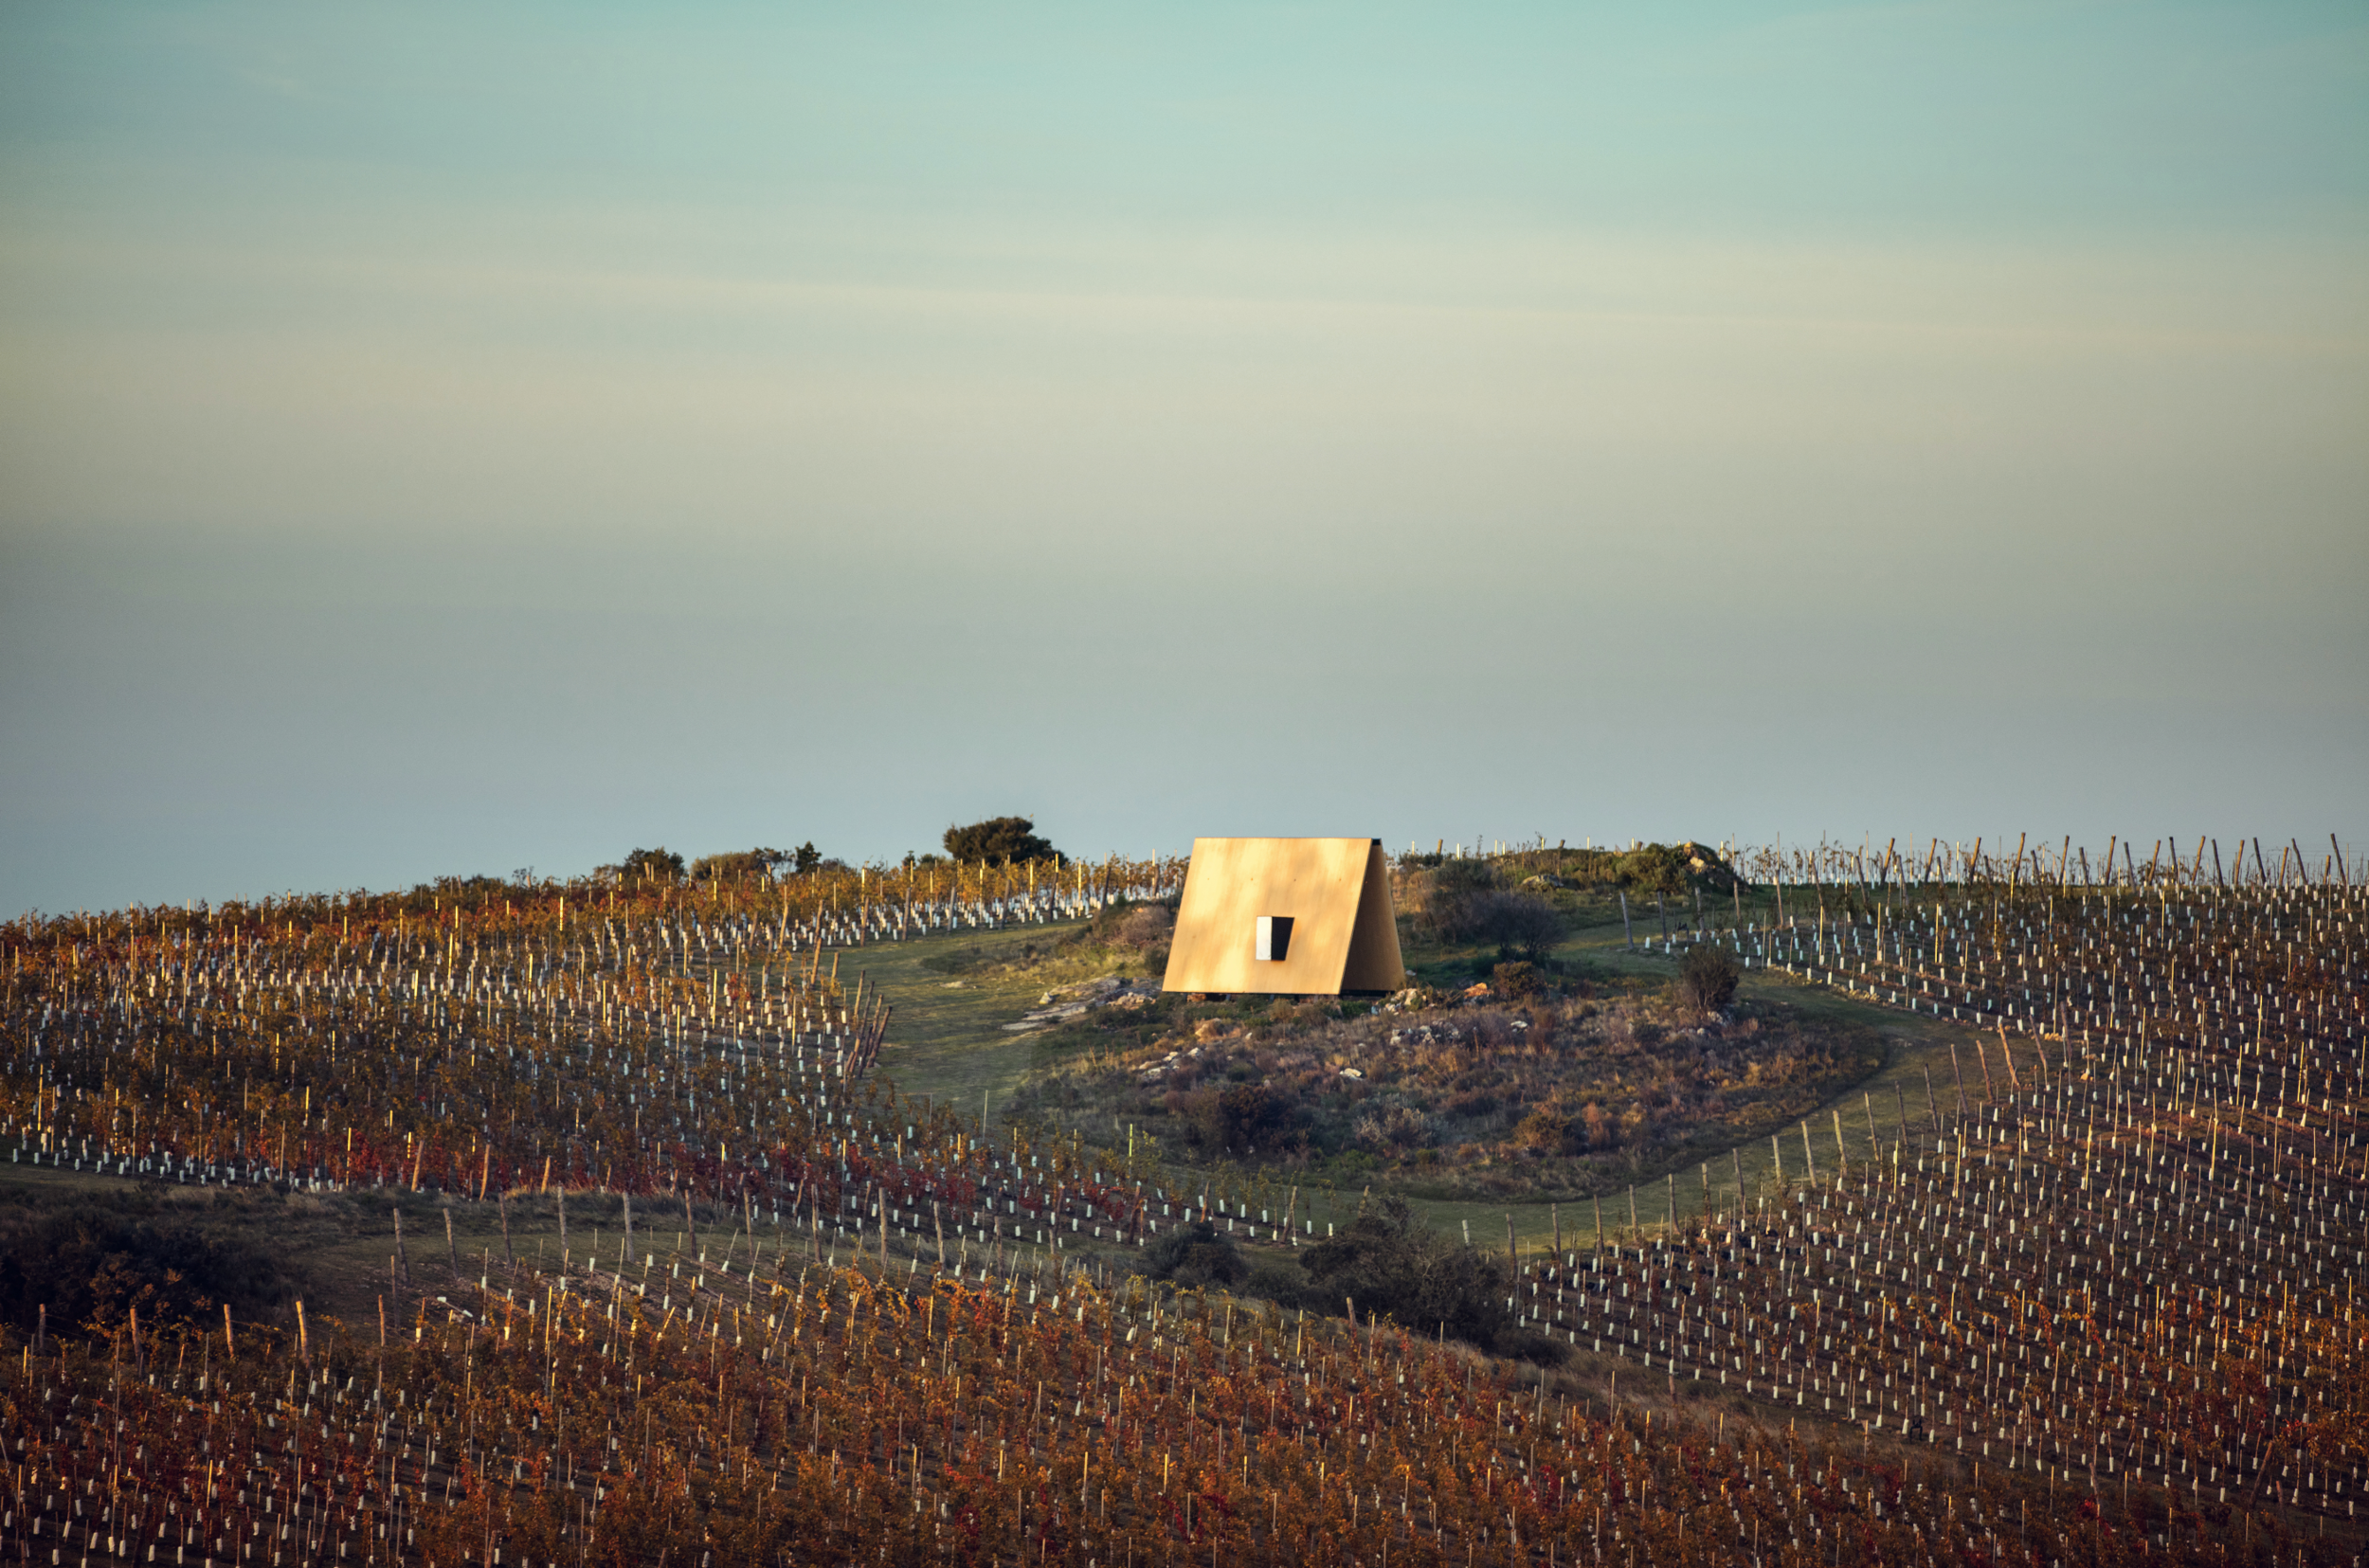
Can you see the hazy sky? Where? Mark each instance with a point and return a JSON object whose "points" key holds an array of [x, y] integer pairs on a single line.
{"points": [[455, 439]]}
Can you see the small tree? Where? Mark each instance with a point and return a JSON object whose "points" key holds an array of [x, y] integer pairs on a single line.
{"points": [[1707, 981], [1519, 922], [660, 864], [1004, 841]]}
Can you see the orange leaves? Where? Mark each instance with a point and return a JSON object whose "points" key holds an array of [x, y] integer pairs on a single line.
{"points": [[844, 1414], [476, 1446]]}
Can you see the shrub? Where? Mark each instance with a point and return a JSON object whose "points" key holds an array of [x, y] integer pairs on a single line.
{"points": [[1443, 901], [1515, 981], [1548, 1130], [1524, 1344], [1596, 1130], [1398, 1128], [1462, 875], [1130, 927], [1241, 1118], [1669, 869], [1472, 1105], [1518, 923], [1707, 981], [1198, 1253], [1144, 926], [1278, 1282], [1350, 1165], [93, 1264], [1471, 910], [1249, 1116], [1652, 867], [1387, 1262]]}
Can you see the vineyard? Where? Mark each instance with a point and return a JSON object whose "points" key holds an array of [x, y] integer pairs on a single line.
{"points": [[2093, 1301]]}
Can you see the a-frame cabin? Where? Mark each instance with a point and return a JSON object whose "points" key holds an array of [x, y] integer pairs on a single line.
{"points": [[1286, 916]]}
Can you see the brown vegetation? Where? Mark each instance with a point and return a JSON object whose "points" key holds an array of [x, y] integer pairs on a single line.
{"points": [[1452, 1096]]}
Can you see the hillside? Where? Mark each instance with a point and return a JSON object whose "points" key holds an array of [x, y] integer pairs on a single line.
{"points": [[704, 1244]]}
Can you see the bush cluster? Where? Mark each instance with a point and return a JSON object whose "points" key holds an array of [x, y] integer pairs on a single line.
{"points": [[1386, 1263], [1460, 901], [1198, 1253], [652, 865], [1243, 1119], [1001, 840], [92, 1264]]}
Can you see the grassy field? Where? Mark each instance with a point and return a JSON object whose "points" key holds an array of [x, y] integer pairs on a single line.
{"points": [[955, 996]]}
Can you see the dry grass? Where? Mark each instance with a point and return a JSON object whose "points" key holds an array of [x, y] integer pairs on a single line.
{"points": [[1552, 1096]]}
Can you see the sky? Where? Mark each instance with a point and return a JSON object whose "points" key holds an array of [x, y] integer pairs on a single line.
{"points": [[442, 439]]}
